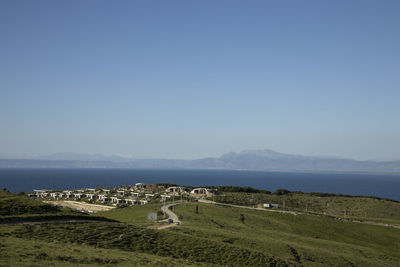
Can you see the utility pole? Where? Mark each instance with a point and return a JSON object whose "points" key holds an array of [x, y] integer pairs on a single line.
{"points": [[164, 208], [283, 206], [173, 201]]}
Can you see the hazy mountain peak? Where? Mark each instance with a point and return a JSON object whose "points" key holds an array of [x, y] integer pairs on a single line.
{"points": [[261, 152]]}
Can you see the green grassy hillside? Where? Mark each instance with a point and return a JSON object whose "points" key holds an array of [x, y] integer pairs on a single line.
{"points": [[210, 235], [23, 252], [136, 215], [125, 237], [365, 208], [12, 205], [306, 239]]}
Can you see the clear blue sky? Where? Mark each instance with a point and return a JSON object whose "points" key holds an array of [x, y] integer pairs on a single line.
{"points": [[188, 79]]}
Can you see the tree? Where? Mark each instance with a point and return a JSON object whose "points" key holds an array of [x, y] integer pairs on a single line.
{"points": [[280, 192], [241, 217]]}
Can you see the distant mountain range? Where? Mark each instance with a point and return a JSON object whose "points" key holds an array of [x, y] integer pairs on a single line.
{"points": [[259, 160]]}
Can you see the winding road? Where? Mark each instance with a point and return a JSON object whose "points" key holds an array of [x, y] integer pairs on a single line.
{"points": [[171, 215]]}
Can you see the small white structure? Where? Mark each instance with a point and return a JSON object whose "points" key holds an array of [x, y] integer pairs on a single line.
{"points": [[135, 194], [104, 198], [117, 200], [79, 195], [91, 190], [143, 202], [44, 194], [174, 190], [149, 195], [164, 197], [106, 191], [121, 201], [201, 191], [101, 197], [41, 192], [131, 201], [270, 205], [122, 192], [140, 186], [91, 196]]}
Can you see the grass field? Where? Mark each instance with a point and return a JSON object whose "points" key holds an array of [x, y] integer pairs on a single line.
{"points": [[364, 208], [306, 239], [136, 215], [21, 206], [211, 235], [23, 252], [108, 235]]}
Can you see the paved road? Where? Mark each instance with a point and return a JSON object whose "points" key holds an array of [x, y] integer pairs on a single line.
{"points": [[171, 215], [297, 213], [250, 208]]}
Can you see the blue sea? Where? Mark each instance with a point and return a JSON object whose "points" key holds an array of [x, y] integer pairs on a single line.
{"points": [[380, 185]]}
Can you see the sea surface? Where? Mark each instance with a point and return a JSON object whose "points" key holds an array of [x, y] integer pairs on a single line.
{"points": [[26, 180]]}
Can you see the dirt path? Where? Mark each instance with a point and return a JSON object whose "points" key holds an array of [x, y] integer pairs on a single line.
{"points": [[82, 206]]}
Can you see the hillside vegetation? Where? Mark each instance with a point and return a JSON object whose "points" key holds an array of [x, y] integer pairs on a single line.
{"points": [[20, 207], [363, 208], [136, 215], [35, 252], [125, 237], [210, 235], [309, 240]]}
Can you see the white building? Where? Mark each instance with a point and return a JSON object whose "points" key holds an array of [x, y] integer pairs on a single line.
{"points": [[201, 191], [174, 190], [163, 197], [140, 186], [91, 196], [79, 195], [122, 192], [270, 205]]}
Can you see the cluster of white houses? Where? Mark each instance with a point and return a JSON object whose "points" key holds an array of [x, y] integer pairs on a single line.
{"points": [[139, 194]]}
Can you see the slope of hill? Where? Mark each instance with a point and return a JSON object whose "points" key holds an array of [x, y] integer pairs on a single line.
{"points": [[210, 235]]}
